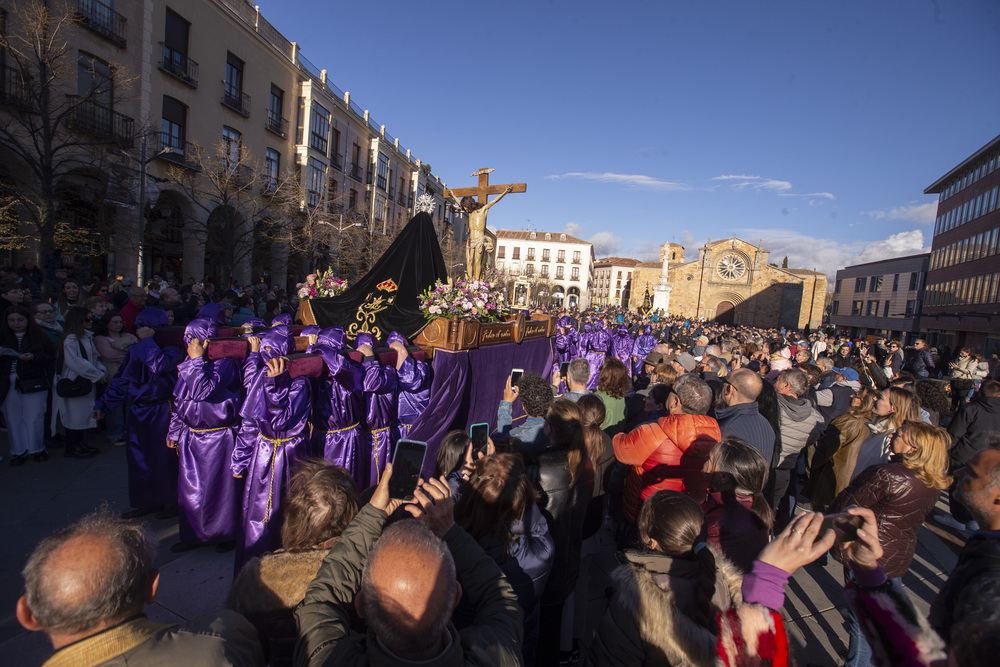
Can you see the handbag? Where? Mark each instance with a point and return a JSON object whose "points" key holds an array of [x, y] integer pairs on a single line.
{"points": [[31, 385], [81, 386]]}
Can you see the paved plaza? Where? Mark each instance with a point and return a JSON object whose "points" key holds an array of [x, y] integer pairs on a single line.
{"points": [[39, 498]]}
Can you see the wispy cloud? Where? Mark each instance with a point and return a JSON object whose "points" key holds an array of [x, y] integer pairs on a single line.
{"points": [[606, 244], [923, 214], [632, 180], [828, 256], [573, 229], [760, 184]]}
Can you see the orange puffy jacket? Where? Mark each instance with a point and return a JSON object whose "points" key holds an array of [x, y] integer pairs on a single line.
{"points": [[668, 454]]}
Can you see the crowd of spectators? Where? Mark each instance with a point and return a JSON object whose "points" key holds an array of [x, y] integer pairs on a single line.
{"points": [[707, 461]]}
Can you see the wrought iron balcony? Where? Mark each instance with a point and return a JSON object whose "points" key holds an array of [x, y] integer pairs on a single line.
{"points": [[337, 160], [276, 124], [14, 89], [392, 193], [103, 20], [176, 151], [178, 65], [236, 175], [402, 198], [576, 261], [97, 120], [356, 172], [235, 99]]}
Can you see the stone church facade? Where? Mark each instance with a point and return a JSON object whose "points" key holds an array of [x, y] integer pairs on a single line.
{"points": [[732, 282]]}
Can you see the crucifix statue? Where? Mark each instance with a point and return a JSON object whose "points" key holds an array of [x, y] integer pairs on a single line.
{"points": [[478, 245]]}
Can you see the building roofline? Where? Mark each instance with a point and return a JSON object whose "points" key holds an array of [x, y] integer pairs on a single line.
{"points": [[939, 185], [921, 255]]}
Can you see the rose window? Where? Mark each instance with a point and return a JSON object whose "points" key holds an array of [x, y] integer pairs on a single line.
{"points": [[732, 267]]}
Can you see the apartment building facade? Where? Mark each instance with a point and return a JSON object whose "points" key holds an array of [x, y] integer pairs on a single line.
{"points": [[881, 298], [613, 281], [962, 302], [561, 264], [213, 83]]}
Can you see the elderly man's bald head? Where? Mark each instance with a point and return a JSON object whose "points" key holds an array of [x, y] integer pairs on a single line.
{"points": [[747, 383], [93, 574], [409, 590]]}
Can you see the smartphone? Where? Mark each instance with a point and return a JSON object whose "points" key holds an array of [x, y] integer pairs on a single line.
{"points": [[564, 368], [845, 526], [479, 433], [515, 375], [407, 462]]}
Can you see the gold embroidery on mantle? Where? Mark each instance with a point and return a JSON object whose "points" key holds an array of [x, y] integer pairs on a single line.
{"points": [[366, 315]]}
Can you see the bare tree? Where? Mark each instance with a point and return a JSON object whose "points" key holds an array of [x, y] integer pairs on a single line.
{"points": [[55, 120], [238, 201]]}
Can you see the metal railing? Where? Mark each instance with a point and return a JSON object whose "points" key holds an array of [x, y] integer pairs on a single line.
{"points": [[14, 89], [337, 160], [356, 172], [176, 151], [103, 20], [97, 120], [402, 198], [236, 175], [177, 64], [276, 124], [235, 99], [250, 14]]}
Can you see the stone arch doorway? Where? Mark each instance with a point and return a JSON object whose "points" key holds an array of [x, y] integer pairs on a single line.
{"points": [[725, 313], [573, 297]]}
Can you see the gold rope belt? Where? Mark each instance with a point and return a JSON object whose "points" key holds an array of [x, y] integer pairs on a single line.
{"points": [[346, 428]]}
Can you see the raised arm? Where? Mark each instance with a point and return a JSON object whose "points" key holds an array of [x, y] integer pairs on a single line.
{"points": [[510, 188]]}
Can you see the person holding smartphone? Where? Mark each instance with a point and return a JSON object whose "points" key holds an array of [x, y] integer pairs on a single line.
{"points": [[535, 396], [901, 493]]}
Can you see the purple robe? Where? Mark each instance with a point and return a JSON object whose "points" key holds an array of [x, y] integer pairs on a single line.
{"points": [[277, 409], [598, 344], [414, 392], [146, 379], [644, 344], [338, 412], [565, 348], [621, 346], [204, 424], [381, 426], [583, 340]]}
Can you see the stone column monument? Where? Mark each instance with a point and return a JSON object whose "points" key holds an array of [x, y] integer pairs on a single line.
{"points": [[662, 289]]}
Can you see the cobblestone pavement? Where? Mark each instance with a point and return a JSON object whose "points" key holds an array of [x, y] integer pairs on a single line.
{"points": [[39, 498]]}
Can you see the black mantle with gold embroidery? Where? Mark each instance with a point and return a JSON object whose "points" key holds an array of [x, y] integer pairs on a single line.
{"points": [[386, 298]]}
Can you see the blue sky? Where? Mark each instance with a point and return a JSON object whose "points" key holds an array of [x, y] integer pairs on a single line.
{"points": [[814, 126]]}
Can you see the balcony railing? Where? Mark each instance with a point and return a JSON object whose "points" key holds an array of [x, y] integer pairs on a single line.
{"points": [[402, 198], [574, 277], [561, 260], [13, 89], [576, 261], [176, 151], [100, 121], [337, 160], [178, 65], [356, 172], [276, 124], [103, 20], [237, 175], [235, 99], [392, 193], [409, 201]]}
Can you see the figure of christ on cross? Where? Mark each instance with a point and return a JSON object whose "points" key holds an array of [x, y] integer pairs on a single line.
{"points": [[477, 245]]}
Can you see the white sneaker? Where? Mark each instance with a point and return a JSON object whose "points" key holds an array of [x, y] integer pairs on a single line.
{"points": [[972, 526], [950, 521]]}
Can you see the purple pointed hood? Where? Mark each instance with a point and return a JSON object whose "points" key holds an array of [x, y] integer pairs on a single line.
{"points": [[588, 327], [564, 322], [333, 337], [277, 342], [213, 311], [152, 317], [311, 330], [284, 319], [201, 329], [648, 330], [622, 330], [395, 337]]}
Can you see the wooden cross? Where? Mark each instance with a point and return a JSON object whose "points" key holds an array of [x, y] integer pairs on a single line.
{"points": [[484, 189]]}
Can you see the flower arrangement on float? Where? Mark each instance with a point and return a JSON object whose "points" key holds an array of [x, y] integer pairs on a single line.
{"points": [[482, 300], [321, 285]]}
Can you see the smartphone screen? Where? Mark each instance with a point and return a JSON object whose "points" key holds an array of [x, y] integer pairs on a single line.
{"points": [[844, 525], [515, 375], [479, 433], [564, 368], [407, 462]]}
